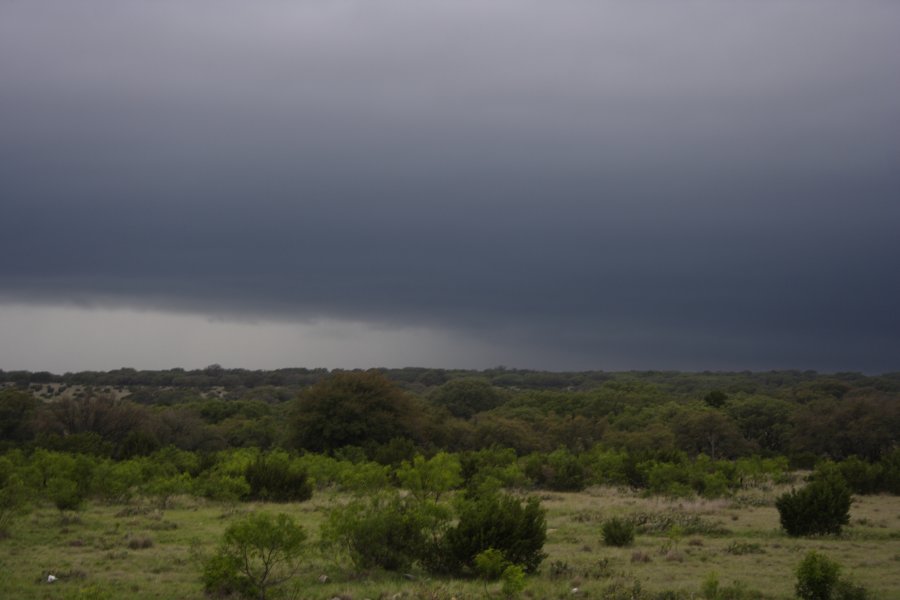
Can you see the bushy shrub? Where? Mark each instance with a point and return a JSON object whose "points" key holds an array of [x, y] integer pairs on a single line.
{"points": [[498, 521], [385, 531], [116, 482], [257, 553], [513, 578], [163, 489], [272, 478], [64, 494], [429, 479], [12, 495], [490, 469], [618, 532], [862, 477], [817, 577], [822, 507], [490, 564], [890, 471], [222, 577], [560, 470], [222, 487]]}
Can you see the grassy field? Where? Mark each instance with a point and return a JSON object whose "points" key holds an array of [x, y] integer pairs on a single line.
{"points": [[139, 553]]}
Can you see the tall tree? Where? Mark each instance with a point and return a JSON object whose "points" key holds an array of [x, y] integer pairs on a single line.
{"points": [[353, 409]]}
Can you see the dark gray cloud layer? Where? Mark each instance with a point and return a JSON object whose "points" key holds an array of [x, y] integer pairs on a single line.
{"points": [[687, 185]]}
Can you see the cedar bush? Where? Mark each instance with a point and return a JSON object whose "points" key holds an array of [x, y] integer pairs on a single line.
{"points": [[820, 508], [273, 478], [385, 531], [618, 532], [817, 577], [497, 521]]}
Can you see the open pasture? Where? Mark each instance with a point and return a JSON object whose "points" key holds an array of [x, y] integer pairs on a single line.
{"points": [[141, 553]]}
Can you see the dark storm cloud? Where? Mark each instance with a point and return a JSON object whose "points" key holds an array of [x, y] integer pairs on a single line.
{"points": [[611, 184]]}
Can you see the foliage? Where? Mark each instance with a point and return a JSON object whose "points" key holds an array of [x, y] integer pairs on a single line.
{"points": [[709, 432], [466, 397], [17, 409], [606, 466], [715, 399], [817, 577], [498, 521], [119, 480], [765, 422], [13, 495], [64, 494], [257, 553], [386, 531], [272, 477], [618, 532], [163, 488], [353, 409], [490, 469], [862, 426], [490, 564], [861, 476], [98, 416], [429, 479], [222, 487], [560, 470], [513, 579], [222, 577], [822, 507], [849, 590]]}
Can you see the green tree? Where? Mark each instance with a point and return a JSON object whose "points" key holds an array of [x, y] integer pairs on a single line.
{"points": [[709, 432], [715, 399], [866, 427], [274, 477], [353, 409], [17, 410], [431, 478], [162, 489], [116, 482], [465, 397], [258, 553], [13, 495], [102, 415], [763, 421]]}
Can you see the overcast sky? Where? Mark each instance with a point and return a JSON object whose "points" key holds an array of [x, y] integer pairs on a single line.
{"points": [[556, 184]]}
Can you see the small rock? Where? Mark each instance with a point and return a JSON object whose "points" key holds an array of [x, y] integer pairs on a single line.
{"points": [[51, 578], [323, 578]]}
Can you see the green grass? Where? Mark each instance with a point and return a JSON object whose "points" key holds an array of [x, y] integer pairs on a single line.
{"points": [[135, 553]]}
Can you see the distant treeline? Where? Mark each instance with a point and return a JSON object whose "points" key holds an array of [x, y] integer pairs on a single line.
{"points": [[418, 378], [390, 415]]}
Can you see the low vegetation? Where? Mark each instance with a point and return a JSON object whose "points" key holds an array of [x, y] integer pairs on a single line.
{"points": [[439, 484]]}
